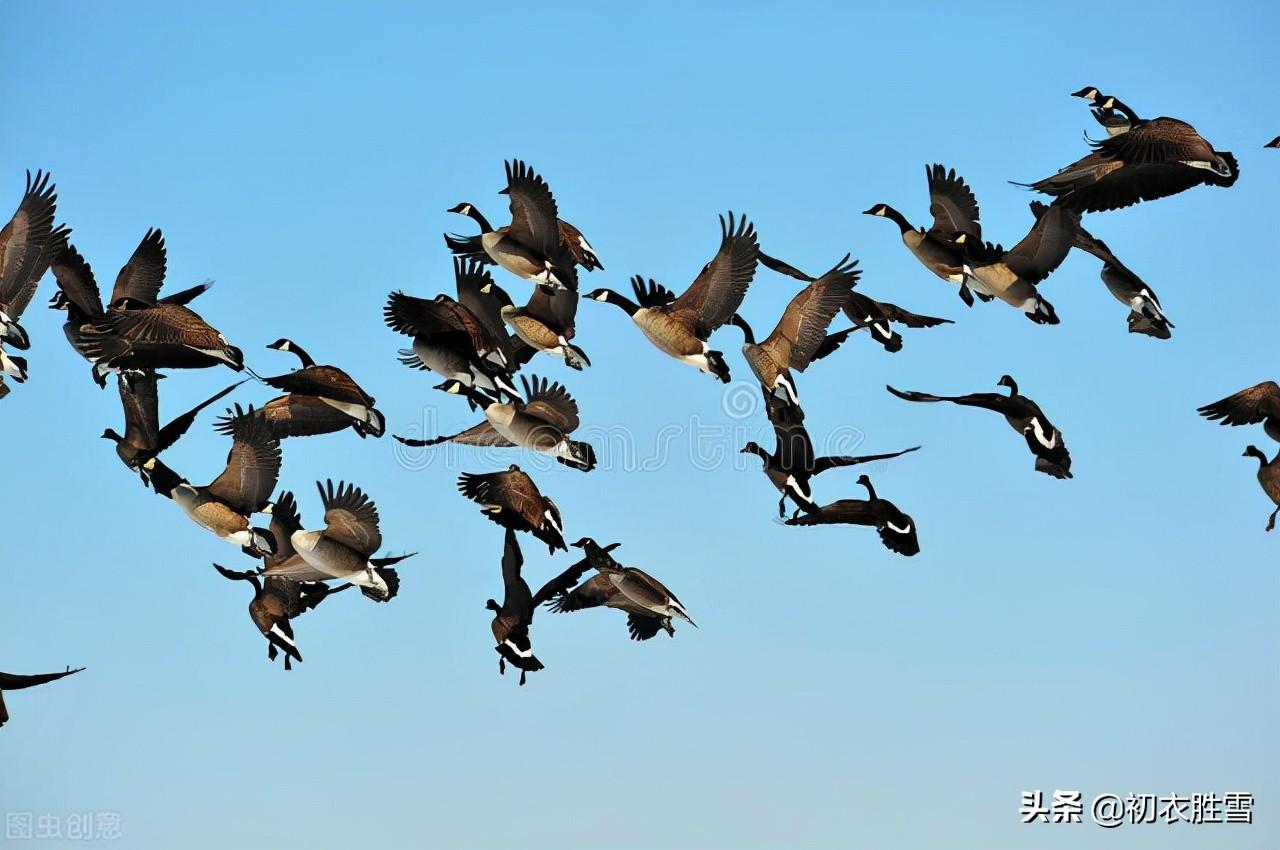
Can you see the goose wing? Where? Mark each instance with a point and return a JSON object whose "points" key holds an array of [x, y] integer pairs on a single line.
{"points": [[15, 682], [285, 520], [641, 627], [512, 490], [1247, 407], [951, 203], [563, 583], [824, 463], [901, 316], [578, 246], [142, 276], [645, 590], [174, 430], [140, 398], [1045, 246], [803, 327], [253, 465], [76, 281], [840, 512], [412, 316], [535, 219], [719, 289], [988, 401], [592, 593], [551, 403], [326, 381], [482, 434], [476, 295], [163, 324], [557, 309], [24, 239], [650, 293], [350, 517]]}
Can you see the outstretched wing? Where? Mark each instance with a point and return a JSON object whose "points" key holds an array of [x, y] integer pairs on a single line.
{"points": [[141, 278], [551, 403], [253, 464], [350, 517], [1247, 407], [534, 217], [24, 239], [719, 289], [824, 463], [951, 203], [803, 327]]}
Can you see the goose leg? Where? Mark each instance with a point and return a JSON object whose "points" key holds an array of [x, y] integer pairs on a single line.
{"points": [[782, 507], [1271, 523], [502, 666], [966, 296], [522, 677]]}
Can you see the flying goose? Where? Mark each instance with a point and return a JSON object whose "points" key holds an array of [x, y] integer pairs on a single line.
{"points": [[244, 488], [546, 323], [275, 602], [15, 682], [800, 332], [319, 400], [165, 336], [1104, 110], [542, 422], [1023, 415], [793, 463], [28, 243], [1012, 275], [649, 605], [1258, 403], [344, 548], [449, 338], [1146, 316], [143, 437], [897, 530], [513, 500], [955, 210], [511, 619], [1268, 478], [680, 327], [1154, 158], [533, 246]]}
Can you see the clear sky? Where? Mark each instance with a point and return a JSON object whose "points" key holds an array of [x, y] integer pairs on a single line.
{"points": [[1112, 633]]}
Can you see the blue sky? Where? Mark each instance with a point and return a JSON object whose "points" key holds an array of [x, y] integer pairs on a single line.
{"points": [[1113, 633]]}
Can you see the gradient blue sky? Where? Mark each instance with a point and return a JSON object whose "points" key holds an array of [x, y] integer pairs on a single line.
{"points": [[1111, 633]]}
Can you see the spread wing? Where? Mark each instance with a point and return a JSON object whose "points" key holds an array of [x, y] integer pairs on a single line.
{"points": [[350, 517], [989, 401], [24, 239], [719, 289], [174, 430], [164, 324], [557, 309], [15, 682], [510, 489], [482, 434], [327, 381], [642, 627], [825, 463], [803, 326], [535, 220], [482, 298], [592, 593], [140, 399], [1247, 407], [1045, 247], [285, 520], [253, 464], [75, 279], [951, 203], [651, 293], [141, 278], [551, 403]]}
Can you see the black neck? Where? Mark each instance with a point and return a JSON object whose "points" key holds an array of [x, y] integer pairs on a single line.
{"points": [[747, 336], [628, 306], [1013, 387], [871, 491], [1122, 108], [479, 219], [898, 218], [1255, 452], [296, 349]]}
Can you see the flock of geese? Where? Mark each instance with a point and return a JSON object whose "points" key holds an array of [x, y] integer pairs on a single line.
{"points": [[479, 339]]}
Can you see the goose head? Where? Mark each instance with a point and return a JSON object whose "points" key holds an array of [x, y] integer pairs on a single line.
{"points": [[1255, 452], [866, 482], [584, 542], [879, 209], [1089, 93], [469, 210], [609, 296], [475, 399], [112, 435], [1008, 381], [753, 448], [492, 605]]}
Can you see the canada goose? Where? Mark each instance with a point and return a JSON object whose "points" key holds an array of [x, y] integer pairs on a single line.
{"points": [[532, 246], [28, 243], [1023, 415], [1154, 158], [681, 326], [1258, 403], [320, 400], [1146, 316], [546, 323], [344, 548], [141, 278], [1104, 110], [792, 464], [15, 682], [286, 563], [143, 437], [165, 336], [275, 602], [800, 332], [1269, 478], [513, 500], [1012, 275], [864, 311], [571, 239], [649, 605], [511, 619], [954, 210], [448, 338], [897, 530], [541, 422], [242, 490]]}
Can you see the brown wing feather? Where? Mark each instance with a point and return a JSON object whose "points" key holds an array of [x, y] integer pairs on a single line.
{"points": [[951, 203], [141, 278], [1247, 407], [534, 216], [253, 465], [804, 323], [550, 402], [719, 289], [327, 381], [350, 517], [24, 238]]}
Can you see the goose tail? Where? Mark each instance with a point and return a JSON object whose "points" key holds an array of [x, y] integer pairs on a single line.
{"points": [[577, 454], [14, 334], [717, 365]]}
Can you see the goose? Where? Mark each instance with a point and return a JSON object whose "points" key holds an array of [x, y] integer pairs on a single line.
{"points": [[319, 400], [793, 463], [28, 243], [649, 605], [542, 422], [532, 246], [143, 437], [244, 488], [800, 332], [142, 277], [897, 530], [680, 327], [1258, 403], [344, 548], [864, 312], [512, 618], [571, 239], [16, 682], [1104, 110], [513, 500], [1012, 275], [1154, 158], [955, 210], [1146, 316], [166, 336], [545, 323], [275, 602], [1023, 415], [448, 338], [1268, 478]]}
